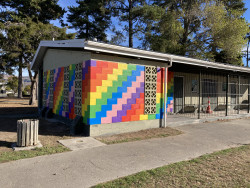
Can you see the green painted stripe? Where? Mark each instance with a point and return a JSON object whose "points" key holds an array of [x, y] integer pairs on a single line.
{"points": [[112, 89]]}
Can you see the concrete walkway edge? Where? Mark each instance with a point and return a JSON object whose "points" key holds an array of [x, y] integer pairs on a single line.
{"points": [[85, 168]]}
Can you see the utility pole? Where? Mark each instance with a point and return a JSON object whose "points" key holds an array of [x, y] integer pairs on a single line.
{"points": [[248, 43]]}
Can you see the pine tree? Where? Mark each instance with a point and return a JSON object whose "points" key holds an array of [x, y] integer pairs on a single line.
{"points": [[248, 46], [37, 10], [129, 12], [91, 19]]}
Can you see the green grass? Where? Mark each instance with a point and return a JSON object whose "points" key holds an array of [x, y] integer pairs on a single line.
{"points": [[133, 139], [16, 155], [227, 168], [139, 135]]}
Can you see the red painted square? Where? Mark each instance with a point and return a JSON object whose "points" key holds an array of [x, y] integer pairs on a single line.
{"points": [[93, 76], [140, 100], [130, 112], [135, 106], [102, 64], [126, 118]]}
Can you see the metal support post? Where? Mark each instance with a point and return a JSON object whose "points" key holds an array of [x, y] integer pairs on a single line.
{"points": [[248, 95], [239, 96], [165, 92], [199, 110], [227, 91], [165, 96]]}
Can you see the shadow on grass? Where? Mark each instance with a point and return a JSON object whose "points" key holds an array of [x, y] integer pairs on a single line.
{"points": [[5, 144], [9, 125]]}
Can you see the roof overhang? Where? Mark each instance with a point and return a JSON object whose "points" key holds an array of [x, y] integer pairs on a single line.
{"points": [[128, 52]]}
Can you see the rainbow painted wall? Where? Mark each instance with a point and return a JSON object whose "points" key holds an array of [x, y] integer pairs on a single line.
{"points": [[110, 92]]}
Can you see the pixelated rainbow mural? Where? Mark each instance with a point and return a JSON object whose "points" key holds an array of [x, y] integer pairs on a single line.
{"points": [[72, 91], [58, 91], [111, 92]]}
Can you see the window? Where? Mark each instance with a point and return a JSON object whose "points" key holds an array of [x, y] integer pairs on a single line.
{"points": [[194, 86]]}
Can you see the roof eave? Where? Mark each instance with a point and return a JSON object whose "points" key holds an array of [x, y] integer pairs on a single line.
{"points": [[129, 52], [44, 45]]}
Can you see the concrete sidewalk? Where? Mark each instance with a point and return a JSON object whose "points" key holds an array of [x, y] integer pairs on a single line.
{"points": [[84, 168]]}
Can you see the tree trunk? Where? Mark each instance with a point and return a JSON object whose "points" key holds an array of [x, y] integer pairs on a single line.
{"points": [[130, 24], [185, 37], [33, 92], [20, 78], [33, 87]]}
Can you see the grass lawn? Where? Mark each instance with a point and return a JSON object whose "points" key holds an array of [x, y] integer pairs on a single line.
{"points": [[139, 135], [16, 155], [227, 168]]}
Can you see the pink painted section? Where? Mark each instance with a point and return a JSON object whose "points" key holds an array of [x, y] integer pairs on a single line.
{"points": [[71, 93], [123, 100], [169, 107], [63, 114], [47, 102]]}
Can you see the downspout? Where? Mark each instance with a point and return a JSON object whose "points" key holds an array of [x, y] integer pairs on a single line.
{"points": [[165, 92]]}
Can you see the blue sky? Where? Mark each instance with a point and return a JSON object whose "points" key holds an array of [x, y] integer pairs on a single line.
{"points": [[66, 3]]}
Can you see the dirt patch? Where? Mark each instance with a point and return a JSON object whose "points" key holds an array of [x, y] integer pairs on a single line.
{"points": [[10, 106], [139, 135], [49, 132]]}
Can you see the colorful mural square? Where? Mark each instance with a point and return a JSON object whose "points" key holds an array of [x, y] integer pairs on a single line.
{"points": [[110, 92]]}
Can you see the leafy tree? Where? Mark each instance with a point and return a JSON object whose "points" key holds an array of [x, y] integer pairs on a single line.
{"points": [[184, 13], [21, 41], [20, 37], [203, 29], [224, 34], [91, 18], [27, 90], [13, 83], [162, 31]]}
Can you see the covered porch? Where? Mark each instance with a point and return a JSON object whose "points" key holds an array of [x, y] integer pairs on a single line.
{"points": [[203, 93]]}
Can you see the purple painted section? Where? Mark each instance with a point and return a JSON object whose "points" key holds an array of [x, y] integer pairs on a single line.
{"points": [[116, 119], [127, 106], [140, 89], [56, 76], [142, 84], [85, 67], [92, 63]]}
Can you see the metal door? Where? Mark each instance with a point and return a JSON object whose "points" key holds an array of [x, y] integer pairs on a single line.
{"points": [[209, 93], [178, 94]]}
